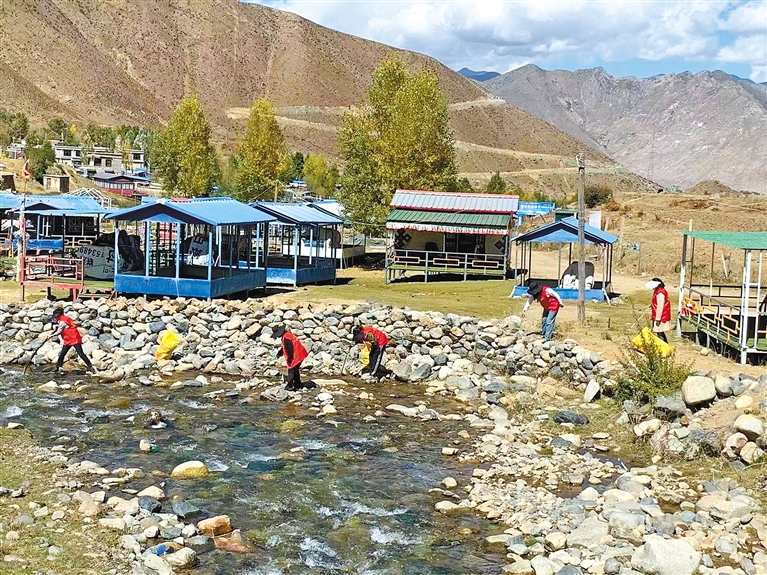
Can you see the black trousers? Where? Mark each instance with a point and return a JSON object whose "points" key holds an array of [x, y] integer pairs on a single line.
{"points": [[294, 379], [661, 335], [79, 349], [376, 358]]}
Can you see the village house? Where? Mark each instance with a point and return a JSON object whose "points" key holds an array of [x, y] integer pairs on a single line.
{"points": [[123, 184], [56, 183], [69, 155]]}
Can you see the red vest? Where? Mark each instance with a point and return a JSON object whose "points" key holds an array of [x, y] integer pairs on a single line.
{"points": [[548, 301], [70, 335], [299, 351], [665, 314], [379, 336]]}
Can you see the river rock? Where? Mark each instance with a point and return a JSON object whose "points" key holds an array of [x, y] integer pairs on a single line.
{"points": [[744, 402], [158, 564], [698, 389], [723, 385], [152, 491], [659, 556], [672, 405], [190, 470], [542, 566], [149, 504], [185, 510], [556, 540], [446, 506], [113, 524], [750, 426], [590, 532], [184, 558], [218, 525], [734, 444], [569, 416], [592, 390], [751, 453], [276, 393]]}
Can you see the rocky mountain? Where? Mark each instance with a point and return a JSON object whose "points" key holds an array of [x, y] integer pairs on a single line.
{"points": [[675, 129], [478, 76], [112, 62]]}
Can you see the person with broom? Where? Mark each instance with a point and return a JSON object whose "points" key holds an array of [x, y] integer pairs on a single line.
{"points": [[70, 338], [551, 303]]}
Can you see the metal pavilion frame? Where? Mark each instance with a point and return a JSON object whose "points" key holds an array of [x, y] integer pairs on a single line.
{"points": [[730, 315]]}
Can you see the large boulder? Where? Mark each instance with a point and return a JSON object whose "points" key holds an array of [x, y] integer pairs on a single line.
{"points": [[590, 532], [697, 390], [659, 556], [218, 525]]}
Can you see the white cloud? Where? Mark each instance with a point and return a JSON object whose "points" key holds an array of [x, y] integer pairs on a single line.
{"points": [[495, 35], [748, 50]]}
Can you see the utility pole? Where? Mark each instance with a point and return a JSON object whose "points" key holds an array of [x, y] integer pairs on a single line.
{"points": [[581, 159]]}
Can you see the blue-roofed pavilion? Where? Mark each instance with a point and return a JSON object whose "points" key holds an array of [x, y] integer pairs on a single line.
{"points": [[562, 232], [302, 243], [202, 247]]}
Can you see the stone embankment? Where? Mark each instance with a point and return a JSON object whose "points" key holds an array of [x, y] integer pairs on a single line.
{"points": [[514, 385]]}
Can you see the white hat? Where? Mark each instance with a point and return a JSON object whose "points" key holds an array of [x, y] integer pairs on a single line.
{"points": [[652, 284]]}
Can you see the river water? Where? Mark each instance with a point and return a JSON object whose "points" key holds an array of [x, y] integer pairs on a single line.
{"points": [[351, 498]]}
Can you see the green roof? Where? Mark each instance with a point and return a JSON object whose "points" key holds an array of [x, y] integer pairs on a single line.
{"points": [[453, 219], [738, 240]]}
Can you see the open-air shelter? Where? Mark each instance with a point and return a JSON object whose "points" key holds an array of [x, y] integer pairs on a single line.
{"points": [[202, 247], [353, 243], [725, 313], [301, 243], [565, 232]]}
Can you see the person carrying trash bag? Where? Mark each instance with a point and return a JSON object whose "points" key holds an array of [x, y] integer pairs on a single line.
{"points": [[660, 308], [550, 302], [377, 341], [295, 353], [70, 338]]}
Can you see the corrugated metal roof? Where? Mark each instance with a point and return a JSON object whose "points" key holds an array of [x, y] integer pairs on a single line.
{"points": [[566, 231], [297, 213], [74, 205], [455, 201], [222, 211], [737, 240], [469, 220]]}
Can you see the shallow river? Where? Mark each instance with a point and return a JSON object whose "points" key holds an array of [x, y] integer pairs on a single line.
{"points": [[355, 501]]}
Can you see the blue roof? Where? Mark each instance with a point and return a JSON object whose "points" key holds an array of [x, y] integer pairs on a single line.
{"points": [[221, 211], [295, 214], [71, 205], [566, 231]]}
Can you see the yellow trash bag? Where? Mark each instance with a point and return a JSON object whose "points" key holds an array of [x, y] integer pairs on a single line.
{"points": [[647, 335], [365, 355], [169, 341]]}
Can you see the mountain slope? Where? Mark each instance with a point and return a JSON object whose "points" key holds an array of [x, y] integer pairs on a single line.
{"points": [[115, 61], [676, 129]]}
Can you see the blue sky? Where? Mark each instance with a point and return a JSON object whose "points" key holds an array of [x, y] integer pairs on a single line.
{"points": [[626, 38]]}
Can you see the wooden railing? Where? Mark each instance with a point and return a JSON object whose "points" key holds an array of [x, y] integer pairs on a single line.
{"points": [[52, 269], [431, 262]]}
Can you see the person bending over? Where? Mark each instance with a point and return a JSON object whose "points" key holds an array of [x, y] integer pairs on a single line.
{"points": [[295, 353], [70, 338], [378, 342]]}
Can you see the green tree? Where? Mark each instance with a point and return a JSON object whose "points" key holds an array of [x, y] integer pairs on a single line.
{"points": [[400, 139], [321, 177], [496, 185], [19, 126], [40, 159], [183, 156], [261, 156], [295, 170]]}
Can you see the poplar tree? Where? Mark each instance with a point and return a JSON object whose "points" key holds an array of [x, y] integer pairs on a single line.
{"points": [[261, 156], [401, 138], [183, 156]]}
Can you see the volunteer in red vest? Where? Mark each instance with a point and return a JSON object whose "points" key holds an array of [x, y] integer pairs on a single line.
{"points": [[378, 341], [70, 338], [294, 353], [550, 302], [660, 308]]}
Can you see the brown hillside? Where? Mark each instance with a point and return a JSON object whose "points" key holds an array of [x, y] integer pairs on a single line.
{"points": [[113, 61]]}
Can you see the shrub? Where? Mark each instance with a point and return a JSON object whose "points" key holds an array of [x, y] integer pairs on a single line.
{"points": [[597, 195], [648, 375]]}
